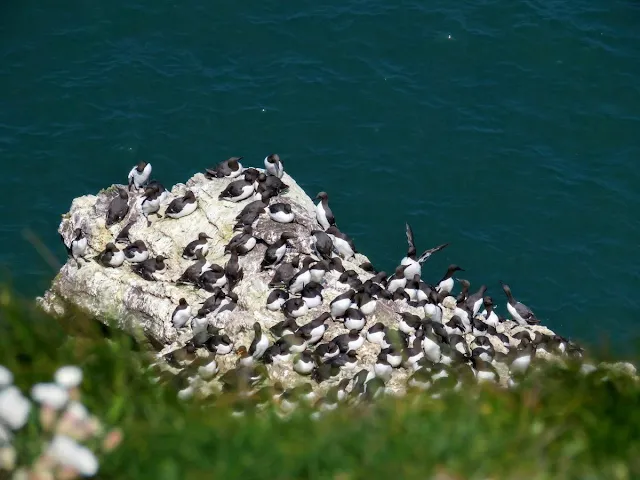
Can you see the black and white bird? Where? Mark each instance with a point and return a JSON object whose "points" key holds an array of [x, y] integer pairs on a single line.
{"points": [[139, 175], [324, 215], [230, 168], [150, 267], [199, 245], [181, 315], [78, 247], [136, 252], [182, 206], [281, 212], [111, 256], [275, 252], [260, 342], [446, 284], [118, 208], [273, 165], [242, 242], [341, 303], [413, 263], [519, 311], [241, 189], [321, 242], [342, 243]]}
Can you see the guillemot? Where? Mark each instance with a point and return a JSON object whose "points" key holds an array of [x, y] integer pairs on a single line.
{"points": [[150, 267], [230, 168], [139, 175], [242, 189], [118, 208], [182, 206], [199, 245], [324, 215], [273, 165], [519, 311], [281, 212], [181, 315], [275, 252], [321, 242], [342, 243], [136, 252], [446, 284], [260, 342], [78, 247], [111, 256], [413, 263], [242, 242]]}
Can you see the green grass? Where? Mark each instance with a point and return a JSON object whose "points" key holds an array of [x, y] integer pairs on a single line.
{"points": [[558, 424]]}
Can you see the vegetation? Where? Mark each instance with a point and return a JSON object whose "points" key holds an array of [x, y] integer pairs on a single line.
{"points": [[557, 424]]}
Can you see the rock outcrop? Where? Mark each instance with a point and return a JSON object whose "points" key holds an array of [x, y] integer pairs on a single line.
{"points": [[121, 295]]}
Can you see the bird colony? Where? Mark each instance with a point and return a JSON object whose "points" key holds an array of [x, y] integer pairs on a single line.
{"points": [[243, 284]]}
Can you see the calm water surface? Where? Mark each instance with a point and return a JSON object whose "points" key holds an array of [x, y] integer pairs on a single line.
{"points": [[510, 129]]}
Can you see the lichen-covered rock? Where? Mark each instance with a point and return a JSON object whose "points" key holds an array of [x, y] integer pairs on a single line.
{"points": [[136, 304]]}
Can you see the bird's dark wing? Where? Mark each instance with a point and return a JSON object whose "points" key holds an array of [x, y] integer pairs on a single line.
{"points": [[427, 253], [175, 206], [412, 246], [526, 313], [123, 236]]}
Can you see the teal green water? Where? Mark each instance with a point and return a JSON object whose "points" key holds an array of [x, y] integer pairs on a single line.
{"points": [[510, 129]]}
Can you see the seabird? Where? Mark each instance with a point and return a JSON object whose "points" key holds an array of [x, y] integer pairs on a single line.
{"points": [[312, 294], [519, 311], [181, 315], [324, 215], [233, 271], [276, 299], [78, 247], [260, 342], [300, 279], [150, 203], [321, 242], [354, 319], [296, 307], [284, 273], [139, 175], [242, 242], [342, 243], [341, 303], [199, 245], [365, 302], [377, 333], [136, 252], [242, 189], [303, 363], [230, 168], [287, 327], [149, 267], [382, 368], [464, 292], [212, 278], [272, 183], [409, 323], [193, 271], [315, 328], [446, 284], [220, 344], [281, 212], [249, 214], [474, 302], [182, 206], [398, 279], [414, 265], [296, 342], [350, 278], [318, 270], [344, 360], [273, 165], [123, 236], [275, 252], [118, 208], [111, 256], [328, 350], [351, 341]]}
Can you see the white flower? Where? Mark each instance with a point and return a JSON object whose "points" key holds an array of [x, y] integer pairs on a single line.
{"points": [[50, 394], [5, 436], [77, 410], [70, 454], [68, 377], [6, 377], [14, 408]]}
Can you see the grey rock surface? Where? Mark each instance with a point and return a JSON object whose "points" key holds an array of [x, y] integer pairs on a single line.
{"points": [[135, 303]]}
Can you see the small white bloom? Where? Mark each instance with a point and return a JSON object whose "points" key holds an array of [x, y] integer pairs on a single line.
{"points": [[78, 410], [5, 436], [70, 454], [68, 377], [50, 394], [6, 377], [14, 408]]}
